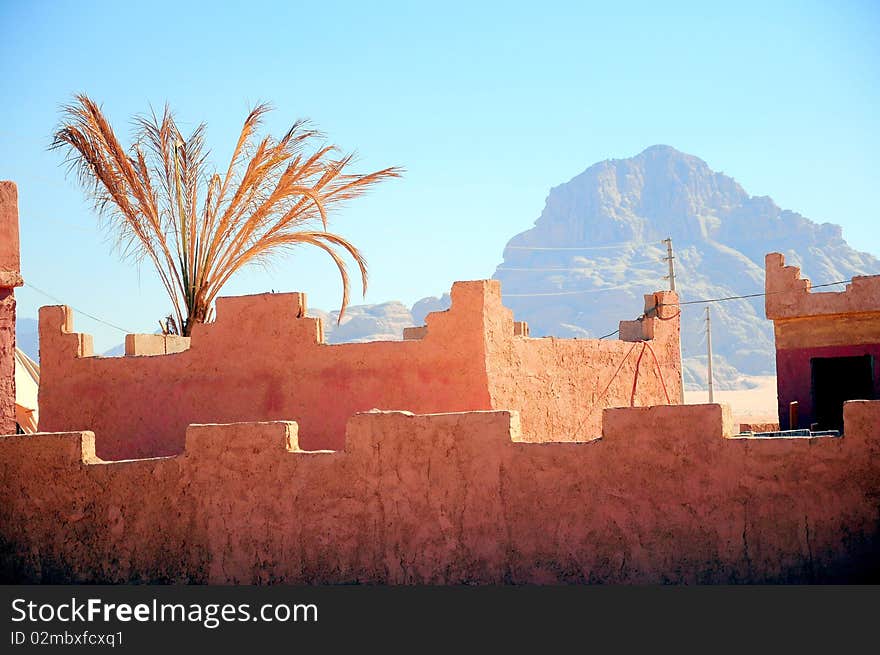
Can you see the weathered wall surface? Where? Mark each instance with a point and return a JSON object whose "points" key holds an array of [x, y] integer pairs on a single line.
{"points": [[262, 359], [452, 498], [68, 516], [10, 277], [790, 296], [7, 360], [817, 324], [560, 386]]}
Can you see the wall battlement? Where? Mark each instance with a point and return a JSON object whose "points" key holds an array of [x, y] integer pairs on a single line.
{"points": [[264, 359], [450, 498], [811, 328], [791, 296]]}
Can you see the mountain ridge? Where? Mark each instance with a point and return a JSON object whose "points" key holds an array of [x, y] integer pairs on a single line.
{"points": [[602, 230]]}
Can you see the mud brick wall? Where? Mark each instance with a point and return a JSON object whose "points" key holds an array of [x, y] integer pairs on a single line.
{"points": [[263, 360], [668, 494]]}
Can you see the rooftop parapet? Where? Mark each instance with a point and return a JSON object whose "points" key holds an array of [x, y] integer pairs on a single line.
{"points": [[154, 344], [667, 495], [662, 305], [263, 359], [790, 296]]}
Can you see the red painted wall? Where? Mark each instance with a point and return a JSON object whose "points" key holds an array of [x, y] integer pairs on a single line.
{"points": [[794, 377], [809, 324]]}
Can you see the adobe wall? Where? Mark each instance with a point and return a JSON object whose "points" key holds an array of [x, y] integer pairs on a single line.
{"points": [[667, 495], [560, 386], [810, 324], [10, 277], [263, 360]]}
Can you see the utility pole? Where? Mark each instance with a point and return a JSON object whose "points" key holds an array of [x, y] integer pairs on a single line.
{"points": [[670, 258], [709, 352]]}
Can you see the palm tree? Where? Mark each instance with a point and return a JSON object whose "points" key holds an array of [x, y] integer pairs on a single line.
{"points": [[198, 228]]}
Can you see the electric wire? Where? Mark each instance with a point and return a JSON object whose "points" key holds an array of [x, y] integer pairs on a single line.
{"points": [[749, 295], [569, 293], [79, 311], [725, 298], [610, 246]]}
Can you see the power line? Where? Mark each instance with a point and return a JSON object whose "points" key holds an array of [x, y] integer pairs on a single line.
{"points": [[550, 269], [79, 311], [585, 267], [568, 293], [711, 300], [609, 246], [749, 295]]}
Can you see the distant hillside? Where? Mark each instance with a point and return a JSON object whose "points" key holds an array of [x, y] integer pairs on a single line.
{"points": [[596, 249], [382, 322], [27, 337], [116, 351]]}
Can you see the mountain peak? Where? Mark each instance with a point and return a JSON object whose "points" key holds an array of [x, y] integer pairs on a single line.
{"points": [[669, 155], [659, 192], [658, 153], [595, 249], [663, 150]]}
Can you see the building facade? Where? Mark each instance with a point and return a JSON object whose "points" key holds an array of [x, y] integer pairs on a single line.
{"points": [[827, 345]]}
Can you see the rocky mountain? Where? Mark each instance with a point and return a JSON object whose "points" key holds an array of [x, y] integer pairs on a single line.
{"points": [[596, 249], [382, 322], [427, 305], [116, 351]]}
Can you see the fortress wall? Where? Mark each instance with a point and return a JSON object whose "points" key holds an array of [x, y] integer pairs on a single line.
{"points": [[667, 495]]}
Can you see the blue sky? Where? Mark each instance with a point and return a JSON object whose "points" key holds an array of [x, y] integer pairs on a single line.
{"points": [[486, 105]]}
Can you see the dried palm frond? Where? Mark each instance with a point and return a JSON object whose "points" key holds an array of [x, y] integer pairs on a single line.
{"points": [[198, 228]]}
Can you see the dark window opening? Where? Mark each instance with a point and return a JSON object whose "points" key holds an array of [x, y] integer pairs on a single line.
{"points": [[836, 380]]}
